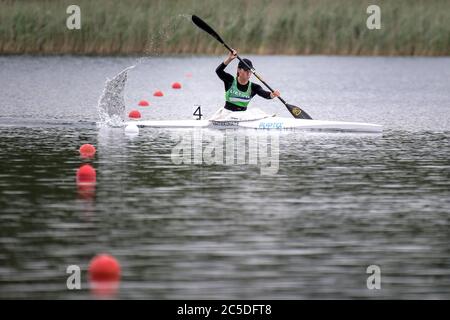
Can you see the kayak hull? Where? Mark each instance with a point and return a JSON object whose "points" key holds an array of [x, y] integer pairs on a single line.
{"points": [[277, 123]]}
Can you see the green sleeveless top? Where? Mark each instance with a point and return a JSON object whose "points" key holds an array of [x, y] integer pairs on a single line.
{"points": [[237, 97]]}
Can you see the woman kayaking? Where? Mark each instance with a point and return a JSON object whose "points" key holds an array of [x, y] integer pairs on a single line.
{"points": [[239, 91]]}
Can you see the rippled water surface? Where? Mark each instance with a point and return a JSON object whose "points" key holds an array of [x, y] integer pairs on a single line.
{"points": [[336, 203]]}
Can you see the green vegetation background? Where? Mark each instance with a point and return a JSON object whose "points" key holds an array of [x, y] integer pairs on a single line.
{"points": [[409, 27]]}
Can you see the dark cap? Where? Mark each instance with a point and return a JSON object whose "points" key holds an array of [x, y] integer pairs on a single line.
{"points": [[243, 66]]}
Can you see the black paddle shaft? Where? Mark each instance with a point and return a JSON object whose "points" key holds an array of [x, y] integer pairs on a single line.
{"points": [[295, 111], [254, 71]]}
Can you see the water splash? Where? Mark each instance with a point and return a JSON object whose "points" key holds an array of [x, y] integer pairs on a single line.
{"points": [[111, 105], [157, 39], [186, 16]]}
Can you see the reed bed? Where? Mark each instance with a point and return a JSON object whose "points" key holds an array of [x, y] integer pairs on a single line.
{"points": [[155, 27]]}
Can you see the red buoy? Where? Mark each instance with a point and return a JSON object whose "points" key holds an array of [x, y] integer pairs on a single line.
{"points": [[87, 150], [176, 85], [158, 93], [86, 174], [134, 114], [104, 268], [143, 103]]}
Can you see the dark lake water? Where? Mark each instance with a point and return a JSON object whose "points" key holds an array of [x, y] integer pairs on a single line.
{"points": [[336, 203]]}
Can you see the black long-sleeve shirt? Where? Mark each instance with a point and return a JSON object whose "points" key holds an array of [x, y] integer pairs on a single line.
{"points": [[227, 79]]}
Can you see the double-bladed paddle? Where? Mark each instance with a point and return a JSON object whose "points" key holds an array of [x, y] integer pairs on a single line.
{"points": [[295, 111]]}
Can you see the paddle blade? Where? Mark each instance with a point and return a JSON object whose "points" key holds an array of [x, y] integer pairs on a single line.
{"points": [[297, 112], [205, 27]]}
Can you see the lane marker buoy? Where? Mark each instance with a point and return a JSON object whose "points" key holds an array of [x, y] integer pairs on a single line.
{"points": [[86, 174], [134, 114], [143, 103], [103, 268], [132, 129], [87, 150], [176, 85]]}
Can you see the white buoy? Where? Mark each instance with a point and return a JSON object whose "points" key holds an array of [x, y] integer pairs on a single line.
{"points": [[132, 129]]}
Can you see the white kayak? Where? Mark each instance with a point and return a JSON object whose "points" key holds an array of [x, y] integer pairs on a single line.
{"points": [[111, 107], [277, 123]]}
